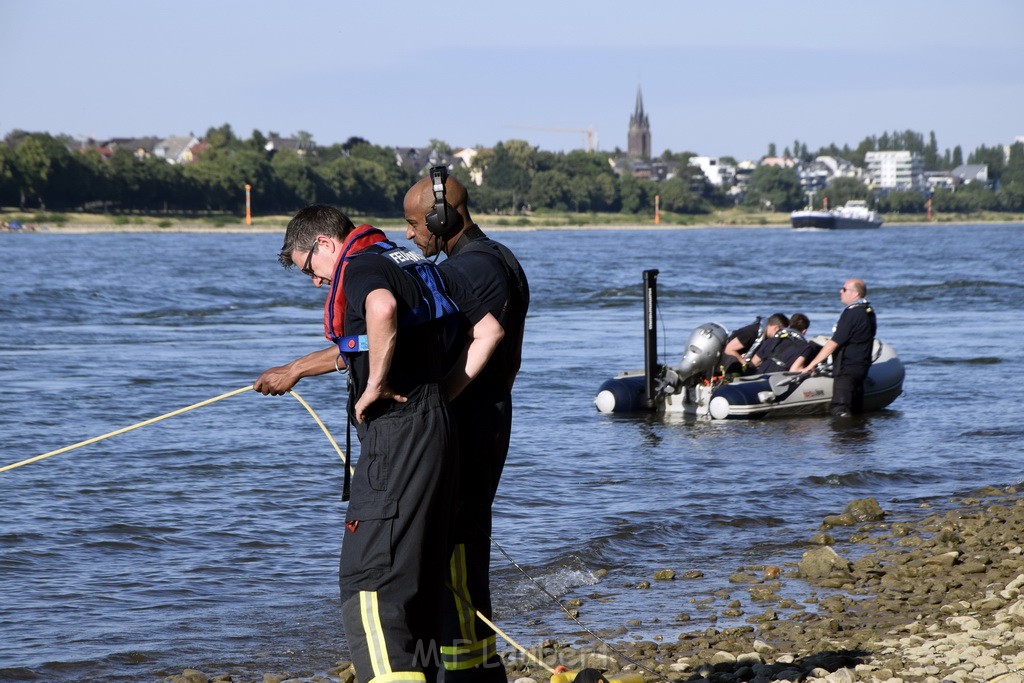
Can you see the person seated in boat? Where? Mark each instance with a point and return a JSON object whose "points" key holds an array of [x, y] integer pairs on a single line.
{"points": [[786, 347], [802, 323], [742, 344]]}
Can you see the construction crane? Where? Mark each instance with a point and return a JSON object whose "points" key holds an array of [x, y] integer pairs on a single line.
{"points": [[589, 132]]}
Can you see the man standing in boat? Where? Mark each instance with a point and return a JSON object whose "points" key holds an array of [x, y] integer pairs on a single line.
{"points": [[437, 211], [852, 343]]}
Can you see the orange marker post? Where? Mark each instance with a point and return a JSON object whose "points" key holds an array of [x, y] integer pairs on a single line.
{"points": [[657, 210], [248, 204]]}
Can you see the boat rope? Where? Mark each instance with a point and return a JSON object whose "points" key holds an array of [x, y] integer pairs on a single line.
{"points": [[344, 461]]}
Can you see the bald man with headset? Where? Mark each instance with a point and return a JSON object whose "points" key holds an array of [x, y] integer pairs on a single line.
{"points": [[437, 212]]}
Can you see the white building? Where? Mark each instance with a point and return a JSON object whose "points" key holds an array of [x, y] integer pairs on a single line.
{"points": [[815, 175], [839, 167], [176, 149], [466, 155], [895, 170], [971, 173], [714, 170]]}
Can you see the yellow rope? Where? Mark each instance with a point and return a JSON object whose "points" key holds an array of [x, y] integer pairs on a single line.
{"points": [[126, 429], [179, 411], [462, 598], [322, 426], [514, 644], [330, 438]]}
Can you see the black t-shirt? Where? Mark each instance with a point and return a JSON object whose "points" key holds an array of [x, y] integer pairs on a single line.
{"points": [[747, 335], [782, 350], [419, 356], [492, 273], [855, 336]]}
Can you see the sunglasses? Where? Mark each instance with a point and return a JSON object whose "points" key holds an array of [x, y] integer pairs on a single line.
{"points": [[306, 269]]}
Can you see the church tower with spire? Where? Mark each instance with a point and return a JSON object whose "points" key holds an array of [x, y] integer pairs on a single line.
{"points": [[639, 145]]}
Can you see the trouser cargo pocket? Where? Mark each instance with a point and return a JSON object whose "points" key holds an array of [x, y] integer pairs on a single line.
{"points": [[368, 548]]}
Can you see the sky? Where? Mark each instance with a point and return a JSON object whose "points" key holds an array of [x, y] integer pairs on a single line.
{"points": [[717, 78]]}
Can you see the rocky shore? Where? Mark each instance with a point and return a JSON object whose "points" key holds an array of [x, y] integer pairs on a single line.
{"points": [[940, 598]]}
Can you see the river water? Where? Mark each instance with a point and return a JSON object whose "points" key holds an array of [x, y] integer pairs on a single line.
{"points": [[211, 539]]}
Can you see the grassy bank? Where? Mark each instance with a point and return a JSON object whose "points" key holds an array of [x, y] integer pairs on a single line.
{"points": [[734, 217]]}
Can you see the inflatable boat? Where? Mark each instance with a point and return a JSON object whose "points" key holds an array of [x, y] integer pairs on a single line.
{"points": [[695, 387]]}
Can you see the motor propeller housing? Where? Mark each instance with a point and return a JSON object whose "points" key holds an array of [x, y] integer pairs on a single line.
{"points": [[703, 350]]}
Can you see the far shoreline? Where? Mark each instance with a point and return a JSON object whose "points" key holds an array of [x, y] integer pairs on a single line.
{"points": [[198, 228]]}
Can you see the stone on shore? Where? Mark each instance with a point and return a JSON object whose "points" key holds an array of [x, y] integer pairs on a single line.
{"points": [[931, 600], [822, 563]]}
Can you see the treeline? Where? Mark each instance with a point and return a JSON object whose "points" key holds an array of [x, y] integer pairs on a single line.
{"points": [[779, 189], [39, 171], [908, 140]]}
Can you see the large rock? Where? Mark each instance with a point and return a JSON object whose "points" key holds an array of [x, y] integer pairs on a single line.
{"points": [[820, 563], [865, 510]]}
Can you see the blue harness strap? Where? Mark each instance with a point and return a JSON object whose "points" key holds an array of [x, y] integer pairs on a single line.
{"points": [[435, 302], [356, 343]]}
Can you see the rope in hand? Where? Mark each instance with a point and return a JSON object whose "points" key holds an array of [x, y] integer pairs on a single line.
{"points": [[223, 396], [179, 411], [344, 461]]}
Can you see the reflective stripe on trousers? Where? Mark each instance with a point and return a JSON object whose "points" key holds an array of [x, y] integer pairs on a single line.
{"points": [[377, 647], [469, 651]]}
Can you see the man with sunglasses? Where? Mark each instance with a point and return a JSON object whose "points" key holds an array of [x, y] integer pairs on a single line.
{"points": [[388, 311], [852, 344]]}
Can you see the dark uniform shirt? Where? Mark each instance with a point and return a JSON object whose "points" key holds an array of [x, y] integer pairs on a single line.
{"points": [[500, 285], [855, 336], [419, 349], [747, 336], [781, 351]]}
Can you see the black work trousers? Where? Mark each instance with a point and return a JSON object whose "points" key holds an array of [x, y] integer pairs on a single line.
{"points": [[468, 646], [395, 550], [847, 393]]}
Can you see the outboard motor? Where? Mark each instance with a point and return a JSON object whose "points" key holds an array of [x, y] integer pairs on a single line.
{"points": [[703, 350], [627, 393]]}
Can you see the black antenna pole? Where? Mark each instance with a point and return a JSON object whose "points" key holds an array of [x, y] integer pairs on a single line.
{"points": [[650, 336]]}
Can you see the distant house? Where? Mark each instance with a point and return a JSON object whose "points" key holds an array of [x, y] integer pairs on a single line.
{"points": [[465, 157], [176, 149], [895, 169], [196, 151], [781, 162], [718, 174], [940, 179], [815, 175], [743, 171], [419, 160], [139, 147], [301, 146], [971, 173], [839, 167], [648, 170]]}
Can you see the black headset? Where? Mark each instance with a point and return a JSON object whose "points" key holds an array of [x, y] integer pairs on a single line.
{"points": [[442, 221]]}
